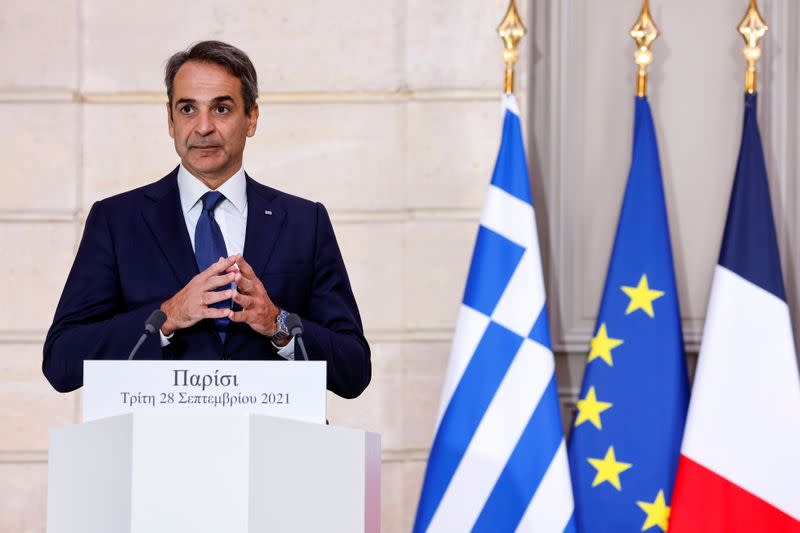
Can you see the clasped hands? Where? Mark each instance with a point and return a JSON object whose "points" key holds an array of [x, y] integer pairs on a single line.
{"points": [[193, 303]]}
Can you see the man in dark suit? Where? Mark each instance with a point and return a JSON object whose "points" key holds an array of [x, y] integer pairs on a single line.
{"points": [[223, 256]]}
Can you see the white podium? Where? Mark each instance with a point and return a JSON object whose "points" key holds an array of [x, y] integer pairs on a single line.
{"points": [[151, 473], [194, 453]]}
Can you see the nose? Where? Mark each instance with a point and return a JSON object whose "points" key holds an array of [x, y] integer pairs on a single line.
{"points": [[205, 124]]}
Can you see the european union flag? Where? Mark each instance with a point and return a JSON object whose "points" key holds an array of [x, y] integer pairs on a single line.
{"points": [[628, 426]]}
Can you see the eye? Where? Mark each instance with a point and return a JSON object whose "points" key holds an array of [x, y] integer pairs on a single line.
{"points": [[185, 109], [222, 110]]}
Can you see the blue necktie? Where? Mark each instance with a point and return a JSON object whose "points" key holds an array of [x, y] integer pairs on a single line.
{"points": [[209, 246]]}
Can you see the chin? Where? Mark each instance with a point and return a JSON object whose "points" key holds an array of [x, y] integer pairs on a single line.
{"points": [[207, 165]]}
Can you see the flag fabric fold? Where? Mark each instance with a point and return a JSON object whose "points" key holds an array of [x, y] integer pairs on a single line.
{"points": [[498, 461], [739, 468], [626, 435]]}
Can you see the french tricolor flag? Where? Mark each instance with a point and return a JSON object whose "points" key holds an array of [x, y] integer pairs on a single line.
{"points": [[739, 469]]}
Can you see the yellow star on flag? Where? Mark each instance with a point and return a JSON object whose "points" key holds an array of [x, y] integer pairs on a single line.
{"points": [[657, 512], [602, 345], [642, 297], [608, 469], [590, 408]]}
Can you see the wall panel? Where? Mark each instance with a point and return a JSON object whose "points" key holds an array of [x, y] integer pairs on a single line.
{"points": [[296, 46]]}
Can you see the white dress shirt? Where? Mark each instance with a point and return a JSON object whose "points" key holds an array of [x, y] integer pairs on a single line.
{"points": [[230, 215]]}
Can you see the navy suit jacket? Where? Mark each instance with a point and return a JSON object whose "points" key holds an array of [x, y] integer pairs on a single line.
{"points": [[135, 254]]}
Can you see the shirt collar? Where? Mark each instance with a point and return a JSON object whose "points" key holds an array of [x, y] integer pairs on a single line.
{"points": [[191, 189]]}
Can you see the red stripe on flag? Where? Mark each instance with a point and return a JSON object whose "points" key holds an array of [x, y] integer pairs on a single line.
{"points": [[705, 502]]}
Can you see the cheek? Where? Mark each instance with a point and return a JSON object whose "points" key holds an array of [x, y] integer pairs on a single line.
{"points": [[236, 138], [180, 140], [183, 126]]}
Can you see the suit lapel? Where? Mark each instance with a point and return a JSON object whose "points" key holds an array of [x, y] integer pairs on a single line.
{"points": [[264, 223], [163, 215]]}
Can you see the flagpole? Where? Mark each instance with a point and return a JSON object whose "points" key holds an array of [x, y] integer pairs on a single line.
{"points": [[753, 27], [511, 30], [644, 32]]}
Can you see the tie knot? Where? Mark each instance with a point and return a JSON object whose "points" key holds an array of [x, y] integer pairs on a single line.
{"points": [[211, 200]]}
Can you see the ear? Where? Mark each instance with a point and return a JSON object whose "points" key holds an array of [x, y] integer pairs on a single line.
{"points": [[252, 121], [170, 125]]}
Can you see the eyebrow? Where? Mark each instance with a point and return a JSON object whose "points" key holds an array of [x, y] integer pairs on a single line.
{"points": [[214, 101]]}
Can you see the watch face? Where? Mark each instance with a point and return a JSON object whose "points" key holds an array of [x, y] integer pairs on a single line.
{"points": [[283, 331]]}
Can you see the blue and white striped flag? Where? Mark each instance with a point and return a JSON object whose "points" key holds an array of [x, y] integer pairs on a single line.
{"points": [[498, 461]]}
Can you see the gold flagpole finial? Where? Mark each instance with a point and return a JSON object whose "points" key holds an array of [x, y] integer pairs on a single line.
{"points": [[511, 30], [752, 29], [644, 32]]}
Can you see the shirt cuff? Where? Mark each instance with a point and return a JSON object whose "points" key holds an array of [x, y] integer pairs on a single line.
{"points": [[287, 352], [165, 339]]}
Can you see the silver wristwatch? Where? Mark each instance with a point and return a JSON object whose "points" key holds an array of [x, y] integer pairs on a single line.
{"points": [[282, 331]]}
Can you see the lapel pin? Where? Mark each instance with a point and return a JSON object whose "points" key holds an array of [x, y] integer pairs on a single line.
{"points": [[267, 212]]}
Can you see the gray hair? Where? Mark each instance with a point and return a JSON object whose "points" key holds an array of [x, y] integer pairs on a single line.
{"points": [[226, 56]]}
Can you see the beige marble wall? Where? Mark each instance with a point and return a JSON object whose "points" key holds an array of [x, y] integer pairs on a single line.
{"points": [[387, 112]]}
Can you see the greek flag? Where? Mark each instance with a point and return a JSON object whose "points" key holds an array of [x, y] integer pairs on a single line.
{"points": [[498, 461]]}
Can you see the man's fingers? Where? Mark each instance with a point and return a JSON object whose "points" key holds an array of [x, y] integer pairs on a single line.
{"points": [[245, 285], [246, 269], [241, 299], [246, 280], [214, 312], [212, 297], [220, 266], [239, 316], [215, 282]]}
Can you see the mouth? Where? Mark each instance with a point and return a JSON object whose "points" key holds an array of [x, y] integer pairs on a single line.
{"points": [[205, 148]]}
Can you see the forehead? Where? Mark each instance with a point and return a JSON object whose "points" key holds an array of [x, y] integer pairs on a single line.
{"points": [[198, 80]]}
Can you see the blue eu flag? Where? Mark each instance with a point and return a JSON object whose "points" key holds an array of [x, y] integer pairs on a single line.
{"points": [[627, 431]]}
